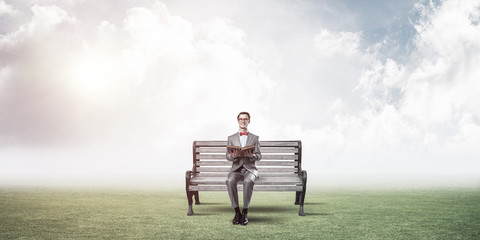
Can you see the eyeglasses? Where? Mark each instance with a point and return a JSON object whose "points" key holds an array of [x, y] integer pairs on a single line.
{"points": [[243, 119]]}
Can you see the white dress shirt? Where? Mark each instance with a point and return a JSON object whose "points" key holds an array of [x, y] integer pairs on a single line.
{"points": [[243, 140]]}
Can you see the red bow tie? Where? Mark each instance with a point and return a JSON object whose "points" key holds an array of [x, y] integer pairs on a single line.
{"points": [[243, 133]]}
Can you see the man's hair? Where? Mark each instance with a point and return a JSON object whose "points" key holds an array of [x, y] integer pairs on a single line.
{"points": [[244, 113]]}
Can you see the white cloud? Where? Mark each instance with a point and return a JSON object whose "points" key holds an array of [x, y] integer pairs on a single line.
{"points": [[330, 43], [448, 30], [443, 83], [382, 84], [6, 9], [134, 86], [414, 111], [154, 31]]}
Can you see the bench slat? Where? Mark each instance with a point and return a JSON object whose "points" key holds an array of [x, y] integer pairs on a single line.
{"points": [[259, 163], [262, 174], [262, 179], [263, 149], [260, 169], [211, 143], [258, 181], [262, 143], [276, 188], [279, 143], [264, 157]]}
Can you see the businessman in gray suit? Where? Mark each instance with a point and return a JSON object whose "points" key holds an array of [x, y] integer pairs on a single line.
{"points": [[243, 167]]}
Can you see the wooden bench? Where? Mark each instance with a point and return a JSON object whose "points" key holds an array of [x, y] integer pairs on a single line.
{"points": [[280, 169]]}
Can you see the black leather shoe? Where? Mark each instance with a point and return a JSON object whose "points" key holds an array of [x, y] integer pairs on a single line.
{"points": [[238, 217], [244, 217]]}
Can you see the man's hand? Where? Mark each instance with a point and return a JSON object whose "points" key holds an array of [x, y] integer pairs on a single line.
{"points": [[248, 153], [235, 153]]}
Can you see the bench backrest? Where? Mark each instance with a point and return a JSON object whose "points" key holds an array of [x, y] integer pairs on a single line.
{"points": [[279, 158]]}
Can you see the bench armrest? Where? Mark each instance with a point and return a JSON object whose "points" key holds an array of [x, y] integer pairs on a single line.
{"points": [[303, 175], [189, 174]]}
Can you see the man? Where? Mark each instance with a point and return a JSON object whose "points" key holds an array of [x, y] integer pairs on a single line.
{"points": [[243, 167]]}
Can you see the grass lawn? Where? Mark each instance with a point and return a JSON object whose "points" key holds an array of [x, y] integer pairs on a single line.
{"points": [[41, 213]]}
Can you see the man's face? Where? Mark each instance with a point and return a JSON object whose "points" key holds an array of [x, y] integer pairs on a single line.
{"points": [[243, 121]]}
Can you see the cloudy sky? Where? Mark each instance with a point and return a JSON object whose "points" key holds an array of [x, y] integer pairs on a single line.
{"points": [[124, 87]]}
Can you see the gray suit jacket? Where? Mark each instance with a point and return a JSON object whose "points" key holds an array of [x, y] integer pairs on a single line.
{"points": [[246, 162]]}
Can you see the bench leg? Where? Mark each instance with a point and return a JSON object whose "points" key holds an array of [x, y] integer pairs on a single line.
{"points": [[197, 198], [302, 195], [189, 193], [190, 201], [298, 194]]}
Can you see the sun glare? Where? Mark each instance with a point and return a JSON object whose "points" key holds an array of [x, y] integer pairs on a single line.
{"points": [[94, 79]]}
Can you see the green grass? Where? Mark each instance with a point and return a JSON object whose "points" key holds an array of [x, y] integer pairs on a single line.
{"points": [[330, 214]]}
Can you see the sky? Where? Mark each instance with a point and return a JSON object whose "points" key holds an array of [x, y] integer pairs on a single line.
{"points": [[102, 88]]}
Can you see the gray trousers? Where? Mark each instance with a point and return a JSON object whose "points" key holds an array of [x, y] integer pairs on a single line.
{"points": [[248, 179]]}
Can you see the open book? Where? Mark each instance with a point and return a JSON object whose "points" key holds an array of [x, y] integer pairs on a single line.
{"points": [[243, 150]]}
